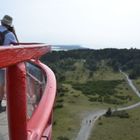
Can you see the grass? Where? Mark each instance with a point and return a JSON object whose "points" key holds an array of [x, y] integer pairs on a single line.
{"points": [[137, 83], [79, 75], [82, 75], [75, 104], [69, 117], [107, 74], [114, 128]]}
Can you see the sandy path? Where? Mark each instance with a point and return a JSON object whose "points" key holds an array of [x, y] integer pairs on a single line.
{"points": [[89, 121], [87, 124]]}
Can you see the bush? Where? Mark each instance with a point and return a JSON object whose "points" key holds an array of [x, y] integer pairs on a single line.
{"points": [[121, 114], [93, 99], [72, 102], [100, 123], [60, 100], [76, 95], [54, 123], [61, 94], [108, 112], [112, 101], [69, 129], [59, 106], [62, 138], [100, 87]]}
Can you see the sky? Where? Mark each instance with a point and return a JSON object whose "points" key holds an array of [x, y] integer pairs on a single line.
{"points": [[90, 23]]}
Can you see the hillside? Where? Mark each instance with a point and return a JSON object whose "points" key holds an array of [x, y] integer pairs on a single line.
{"points": [[126, 59], [88, 80]]}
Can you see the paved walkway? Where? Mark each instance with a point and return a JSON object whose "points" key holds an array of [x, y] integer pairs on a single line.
{"points": [[3, 125], [87, 124]]}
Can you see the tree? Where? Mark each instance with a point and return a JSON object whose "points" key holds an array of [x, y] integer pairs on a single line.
{"points": [[109, 112]]}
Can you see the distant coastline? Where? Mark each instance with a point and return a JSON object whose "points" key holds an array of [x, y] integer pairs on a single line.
{"points": [[66, 47]]}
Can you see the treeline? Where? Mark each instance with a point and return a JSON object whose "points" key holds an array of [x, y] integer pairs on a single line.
{"points": [[125, 59]]}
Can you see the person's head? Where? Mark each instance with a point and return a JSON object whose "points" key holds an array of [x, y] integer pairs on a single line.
{"points": [[7, 21]]}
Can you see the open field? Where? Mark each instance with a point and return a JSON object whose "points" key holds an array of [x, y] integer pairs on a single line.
{"points": [[115, 128], [72, 105], [68, 118]]}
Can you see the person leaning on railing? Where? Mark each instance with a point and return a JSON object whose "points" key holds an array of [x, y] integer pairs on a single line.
{"points": [[9, 38]]}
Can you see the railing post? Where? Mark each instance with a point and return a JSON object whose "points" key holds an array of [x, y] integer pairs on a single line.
{"points": [[16, 102]]}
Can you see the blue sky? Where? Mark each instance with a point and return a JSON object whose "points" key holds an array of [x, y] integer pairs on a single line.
{"points": [[91, 23]]}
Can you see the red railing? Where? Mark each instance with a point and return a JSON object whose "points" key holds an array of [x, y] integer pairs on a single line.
{"points": [[39, 125]]}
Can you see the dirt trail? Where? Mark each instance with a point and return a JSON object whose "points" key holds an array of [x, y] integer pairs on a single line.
{"points": [[89, 121], [87, 124]]}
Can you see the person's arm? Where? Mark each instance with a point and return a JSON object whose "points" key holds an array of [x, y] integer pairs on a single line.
{"points": [[10, 39]]}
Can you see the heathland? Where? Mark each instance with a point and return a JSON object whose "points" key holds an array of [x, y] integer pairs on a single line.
{"points": [[88, 80]]}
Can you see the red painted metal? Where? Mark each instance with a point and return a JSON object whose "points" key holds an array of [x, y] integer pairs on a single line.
{"points": [[19, 53], [16, 102], [43, 117], [39, 126]]}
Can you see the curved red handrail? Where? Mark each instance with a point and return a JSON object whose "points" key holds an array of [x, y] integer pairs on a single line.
{"points": [[10, 55], [40, 123], [41, 117]]}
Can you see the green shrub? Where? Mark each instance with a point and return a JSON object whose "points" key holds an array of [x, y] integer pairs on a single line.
{"points": [[61, 94], [60, 100], [62, 138], [93, 99], [108, 112], [100, 87], [121, 114], [59, 106], [100, 123]]}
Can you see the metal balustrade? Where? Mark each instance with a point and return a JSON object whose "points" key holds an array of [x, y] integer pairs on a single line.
{"points": [[36, 81], [30, 91]]}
